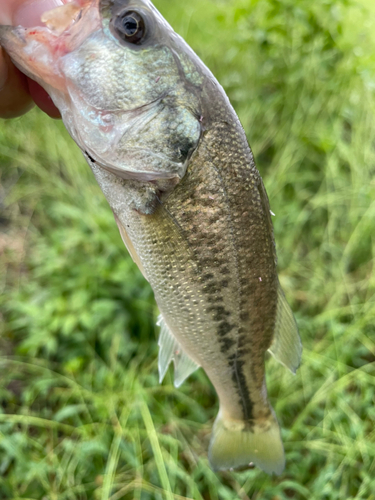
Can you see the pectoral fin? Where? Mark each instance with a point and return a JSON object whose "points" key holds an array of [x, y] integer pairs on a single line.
{"points": [[171, 350], [286, 346]]}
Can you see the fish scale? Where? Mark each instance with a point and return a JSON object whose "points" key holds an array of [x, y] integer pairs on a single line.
{"points": [[233, 332], [173, 161]]}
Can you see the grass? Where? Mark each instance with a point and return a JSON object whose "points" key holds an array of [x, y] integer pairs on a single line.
{"points": [[82, 415]]}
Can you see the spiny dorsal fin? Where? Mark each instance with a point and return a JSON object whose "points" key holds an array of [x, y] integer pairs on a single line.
{"points": [[171, 350], [286, 346]]}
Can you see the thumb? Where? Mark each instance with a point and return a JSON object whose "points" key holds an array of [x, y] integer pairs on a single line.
{"points": [[17, 92], [28, 13]]}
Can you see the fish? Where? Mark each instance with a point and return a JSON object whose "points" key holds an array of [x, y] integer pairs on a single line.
{"points": [[174, 163]]}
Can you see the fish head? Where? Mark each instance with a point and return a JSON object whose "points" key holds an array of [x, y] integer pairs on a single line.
{"points": [[127, 86]]}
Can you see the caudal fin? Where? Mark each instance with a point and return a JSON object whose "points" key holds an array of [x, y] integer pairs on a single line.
{"points": [[233, 445]]}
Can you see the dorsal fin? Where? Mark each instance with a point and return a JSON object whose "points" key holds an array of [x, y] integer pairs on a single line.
{"points": [[171, 350], [286, 346]]}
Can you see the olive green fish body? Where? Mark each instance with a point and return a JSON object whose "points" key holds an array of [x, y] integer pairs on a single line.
{"points": [[230, 299], [173, 161]]}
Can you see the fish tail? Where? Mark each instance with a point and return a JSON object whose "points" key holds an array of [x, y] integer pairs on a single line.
{"points": [[236, 444]]}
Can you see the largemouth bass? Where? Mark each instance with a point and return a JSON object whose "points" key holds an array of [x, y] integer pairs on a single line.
{"points": [[173, 161]]}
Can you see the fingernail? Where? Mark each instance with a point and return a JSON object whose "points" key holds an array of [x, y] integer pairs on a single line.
{"points": [[30, 13]]}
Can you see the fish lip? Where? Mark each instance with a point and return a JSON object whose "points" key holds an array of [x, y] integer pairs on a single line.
{"points": [[143, 176], [139, 176], [142, 108], [8, 30]]}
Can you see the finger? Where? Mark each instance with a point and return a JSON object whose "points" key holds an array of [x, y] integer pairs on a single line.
{"points": [[15, 99], [29, 13], [42, 99]]}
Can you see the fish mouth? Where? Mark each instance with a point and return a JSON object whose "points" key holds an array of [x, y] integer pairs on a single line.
{"points": [[126, 172], [37, 50], [137, 175], [130, 165], [108, 140], [62, 20]]}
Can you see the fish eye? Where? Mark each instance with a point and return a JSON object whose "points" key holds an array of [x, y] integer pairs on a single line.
{"points": [[130, 26]]}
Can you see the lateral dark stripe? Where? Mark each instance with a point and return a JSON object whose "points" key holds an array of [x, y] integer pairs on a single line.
{"points": [[239, 380]]}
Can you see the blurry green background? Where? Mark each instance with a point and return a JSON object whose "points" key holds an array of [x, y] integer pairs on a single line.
{"points": [[82, 413]]}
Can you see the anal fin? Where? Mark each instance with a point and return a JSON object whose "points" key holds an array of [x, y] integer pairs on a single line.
{"points": [[171, 350], [286, 346]]}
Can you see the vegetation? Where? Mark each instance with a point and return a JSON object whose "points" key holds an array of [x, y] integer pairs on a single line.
{"points": [[82, 414]]}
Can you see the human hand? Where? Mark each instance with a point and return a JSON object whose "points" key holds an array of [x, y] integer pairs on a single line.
{"points": [[18, 93]]}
